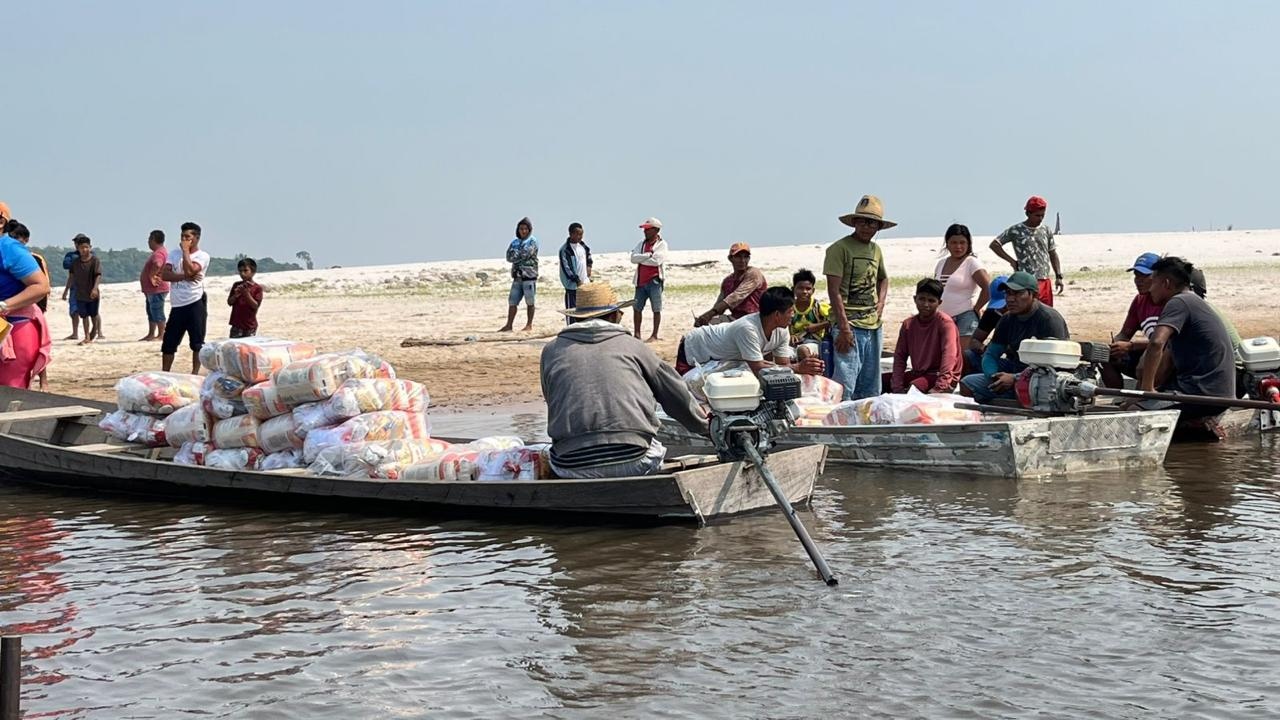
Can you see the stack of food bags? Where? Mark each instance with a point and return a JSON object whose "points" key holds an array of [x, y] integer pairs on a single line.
{"points": [[145, 402], [910, 408]]}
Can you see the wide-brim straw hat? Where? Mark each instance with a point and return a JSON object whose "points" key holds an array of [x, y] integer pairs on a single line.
{"points": [[595, 300], [870, 208]]}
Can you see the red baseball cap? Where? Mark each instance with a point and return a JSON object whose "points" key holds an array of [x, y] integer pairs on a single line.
{"points": [[1035, 202]]}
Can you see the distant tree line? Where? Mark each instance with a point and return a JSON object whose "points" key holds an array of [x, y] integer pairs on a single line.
{"points": [[126, 265]]}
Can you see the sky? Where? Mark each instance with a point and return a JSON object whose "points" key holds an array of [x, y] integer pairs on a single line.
{"points": [[391, 132]]}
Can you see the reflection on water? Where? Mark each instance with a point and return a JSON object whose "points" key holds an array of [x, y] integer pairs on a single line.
{"points": [[1124, 595]]}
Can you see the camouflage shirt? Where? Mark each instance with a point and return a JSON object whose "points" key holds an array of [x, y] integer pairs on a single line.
{"points": [[1032, 247]]}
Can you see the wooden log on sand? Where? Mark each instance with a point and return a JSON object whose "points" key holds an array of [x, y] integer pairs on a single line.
{"points": [[471, 339]]}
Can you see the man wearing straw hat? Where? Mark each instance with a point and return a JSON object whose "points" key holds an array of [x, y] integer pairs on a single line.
{"points": [[602, 385], [858, 286]]}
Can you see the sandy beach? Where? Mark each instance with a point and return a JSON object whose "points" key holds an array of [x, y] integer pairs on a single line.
{"points": [[463, 304]]}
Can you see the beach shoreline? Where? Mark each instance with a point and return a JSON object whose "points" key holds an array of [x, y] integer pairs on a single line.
{"points": [[378, 307]]}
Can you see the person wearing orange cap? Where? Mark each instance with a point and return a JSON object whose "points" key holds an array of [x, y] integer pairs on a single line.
{"points": [[740, 291], [5, 215], [858, 287], [1033, 244]]}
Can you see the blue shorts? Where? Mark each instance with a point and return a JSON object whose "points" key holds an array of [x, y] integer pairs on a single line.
{"points": [[155, 307], [526, 289], [72, 305], [650, 292], [966, 323], [87, 308]]}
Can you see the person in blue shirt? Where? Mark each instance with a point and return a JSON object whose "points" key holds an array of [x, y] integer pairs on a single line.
{"points": [[22, 285]]}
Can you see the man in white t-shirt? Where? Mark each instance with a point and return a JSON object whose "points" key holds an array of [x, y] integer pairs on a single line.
{"points": [[760, 339], [188, 305]]}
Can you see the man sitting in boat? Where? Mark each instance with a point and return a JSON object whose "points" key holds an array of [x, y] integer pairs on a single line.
{"points": [[1026, 318], [1127, 349], [1195, 337], [932, 343], [761, 339], [602, 385]]}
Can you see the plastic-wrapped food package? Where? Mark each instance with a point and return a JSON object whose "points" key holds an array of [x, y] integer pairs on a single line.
{"points": [[362, 395], [209, 358], [237, 432], [821, 388], [291, 458], [912, 408], [278, 434], [263, 402], [529, 462], [311, 416], [241, 458], [318, 378], [255, 359], [369, 427], [223, 385], [157, 393], [364, 459], [496, 442], [846, 413], [192, 453], [221, 408], [187, 425], [458, 463], [138, 428]]}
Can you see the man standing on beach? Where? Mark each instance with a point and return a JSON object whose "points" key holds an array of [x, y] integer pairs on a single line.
{"points": [[154, 288], [188, 305], [575, 264], [649, 257], [741, 289], [1033, 244], [858, 287], [84, 280], [522, 253]]}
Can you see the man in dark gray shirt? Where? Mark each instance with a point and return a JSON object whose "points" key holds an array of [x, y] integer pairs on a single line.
{"points": [[1193, 334], [1026, 318]]}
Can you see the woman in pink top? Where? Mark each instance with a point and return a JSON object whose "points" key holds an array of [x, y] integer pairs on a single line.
{"points": [[966, 285]]}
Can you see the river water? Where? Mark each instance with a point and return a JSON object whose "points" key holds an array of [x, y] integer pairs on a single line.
{"points": [[1150, 594]]}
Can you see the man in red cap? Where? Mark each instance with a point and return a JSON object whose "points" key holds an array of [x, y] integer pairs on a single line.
{"points": [[740, 291], [1033, 244], [648, 257]]}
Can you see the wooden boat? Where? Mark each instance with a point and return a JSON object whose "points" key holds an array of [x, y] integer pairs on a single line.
{"points": [[1000, 446], [54, 440]]}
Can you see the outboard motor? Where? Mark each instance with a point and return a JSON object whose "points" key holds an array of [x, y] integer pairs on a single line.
{"points": [[1055, 371], [1261, 356], [759, 408]]}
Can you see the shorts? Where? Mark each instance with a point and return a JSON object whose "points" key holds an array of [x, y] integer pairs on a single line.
{"points": [[241, 332], [650, 292], [1046, 291], [966, 323], [526, 289], [73, 307], [155, 307], [86, 308], [189, 320]]}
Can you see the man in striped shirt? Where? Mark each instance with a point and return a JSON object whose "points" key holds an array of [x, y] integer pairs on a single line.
{"points": [[602, 386]]}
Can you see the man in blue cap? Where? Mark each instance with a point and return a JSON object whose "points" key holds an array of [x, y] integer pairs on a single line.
{"points": [[1026, 317], [990, 318], [1126, 348]]}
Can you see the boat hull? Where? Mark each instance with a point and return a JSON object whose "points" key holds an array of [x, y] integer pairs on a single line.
{"points": [[1016, 448]]}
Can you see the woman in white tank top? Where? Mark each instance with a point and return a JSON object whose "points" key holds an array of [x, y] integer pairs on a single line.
{"points": [[966, 284]]}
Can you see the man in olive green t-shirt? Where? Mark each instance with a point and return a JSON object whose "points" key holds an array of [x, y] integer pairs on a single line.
{"points": [[858, 287]]}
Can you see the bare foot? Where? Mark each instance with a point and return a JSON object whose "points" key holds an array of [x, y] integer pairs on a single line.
{"points": [[86, 341], [145, 339], [505, 328], [71, 337], [527, 328], [653, 339]]}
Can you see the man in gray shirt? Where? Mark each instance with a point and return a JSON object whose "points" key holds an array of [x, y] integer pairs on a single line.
{"points": [[1196, 338]]}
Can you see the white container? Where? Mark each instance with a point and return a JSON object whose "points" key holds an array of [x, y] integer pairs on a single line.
{"points": [[1260, 354], [1061, 354], [732, 391]]}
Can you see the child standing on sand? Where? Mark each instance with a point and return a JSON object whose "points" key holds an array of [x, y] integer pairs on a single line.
{"points": [[245, 298]]}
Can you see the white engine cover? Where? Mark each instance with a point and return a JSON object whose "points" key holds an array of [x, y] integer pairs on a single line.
{"points": [[732, 391], [1061, 354], [1260, 354]]}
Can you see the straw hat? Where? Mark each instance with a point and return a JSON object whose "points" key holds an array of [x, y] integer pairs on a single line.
{"points": [[596, 299], [871, 208]]}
